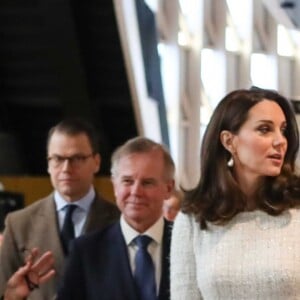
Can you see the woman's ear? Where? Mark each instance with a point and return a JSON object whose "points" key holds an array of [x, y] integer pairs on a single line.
{"points": [[226, 138]]}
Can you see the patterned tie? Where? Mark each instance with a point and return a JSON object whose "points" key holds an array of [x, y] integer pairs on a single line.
{"points": [[144, 270], [67, 232]]}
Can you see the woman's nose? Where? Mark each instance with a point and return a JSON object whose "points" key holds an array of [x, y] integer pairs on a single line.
{"points": [[279, 139]]}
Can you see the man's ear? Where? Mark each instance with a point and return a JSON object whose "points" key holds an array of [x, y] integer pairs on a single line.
{"points": [[97, 158], [170, 187], [226, 138]]}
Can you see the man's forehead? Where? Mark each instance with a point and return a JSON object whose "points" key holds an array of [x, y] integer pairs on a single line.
{"points": [[133, 176], [70, 143]]}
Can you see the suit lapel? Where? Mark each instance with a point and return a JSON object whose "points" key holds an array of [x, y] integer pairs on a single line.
{"points": [[48, 232], [99, 216], [95, 216], [164, 289], [122, 266]]}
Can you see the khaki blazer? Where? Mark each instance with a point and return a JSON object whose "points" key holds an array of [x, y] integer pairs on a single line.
{"points": [[37, 226]]}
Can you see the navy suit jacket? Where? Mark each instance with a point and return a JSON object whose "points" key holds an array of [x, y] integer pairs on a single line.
{"points": [[98, 268]]}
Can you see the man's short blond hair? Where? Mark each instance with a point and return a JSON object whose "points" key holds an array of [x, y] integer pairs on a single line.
{"points": [[142, 145]]}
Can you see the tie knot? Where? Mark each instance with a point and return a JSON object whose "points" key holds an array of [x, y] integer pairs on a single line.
{"points": [[143, 241], [70, 209]]}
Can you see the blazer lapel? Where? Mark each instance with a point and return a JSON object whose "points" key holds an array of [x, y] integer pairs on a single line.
{"points": [[99, 216], [48, 232]]}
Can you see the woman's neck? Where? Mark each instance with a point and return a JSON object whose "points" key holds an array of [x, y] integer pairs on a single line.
{"points": [[249, 186]]}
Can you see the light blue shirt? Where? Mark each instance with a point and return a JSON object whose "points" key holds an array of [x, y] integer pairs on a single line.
{"points": [[80, 213]]}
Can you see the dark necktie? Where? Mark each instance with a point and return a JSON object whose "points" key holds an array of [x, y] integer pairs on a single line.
{"points": [[67, 232], [144, 270]]}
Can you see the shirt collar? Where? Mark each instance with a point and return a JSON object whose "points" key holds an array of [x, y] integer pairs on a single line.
{"points": [[155, 231], [84, 203]]}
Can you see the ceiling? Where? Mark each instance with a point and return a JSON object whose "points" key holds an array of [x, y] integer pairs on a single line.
{"points": [[286, 12]]}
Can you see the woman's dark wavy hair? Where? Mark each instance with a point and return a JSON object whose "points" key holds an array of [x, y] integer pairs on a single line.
{"points": [[218, 198]]}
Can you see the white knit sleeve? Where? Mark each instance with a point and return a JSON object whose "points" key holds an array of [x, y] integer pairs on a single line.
{"points": [[183, 264]]}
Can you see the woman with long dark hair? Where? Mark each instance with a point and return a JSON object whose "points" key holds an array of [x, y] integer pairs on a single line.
{"points": [[238, 235]]}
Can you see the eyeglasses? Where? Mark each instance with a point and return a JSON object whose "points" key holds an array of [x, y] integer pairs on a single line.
{"points": [[76, 161]]}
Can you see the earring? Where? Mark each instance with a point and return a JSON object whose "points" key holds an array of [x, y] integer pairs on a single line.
{"points": [[230, 163]]}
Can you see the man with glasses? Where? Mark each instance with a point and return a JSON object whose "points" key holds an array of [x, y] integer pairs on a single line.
{"points": [[72, 209]]}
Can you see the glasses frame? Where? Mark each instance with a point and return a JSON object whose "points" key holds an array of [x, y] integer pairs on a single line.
{"points": [[76, 160]]}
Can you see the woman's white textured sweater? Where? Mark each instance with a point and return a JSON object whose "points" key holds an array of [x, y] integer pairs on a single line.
{"points": [[255, 256]]}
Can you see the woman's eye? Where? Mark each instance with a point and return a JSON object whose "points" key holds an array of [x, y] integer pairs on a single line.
{"points": [[264, 129], [284, 130]]}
